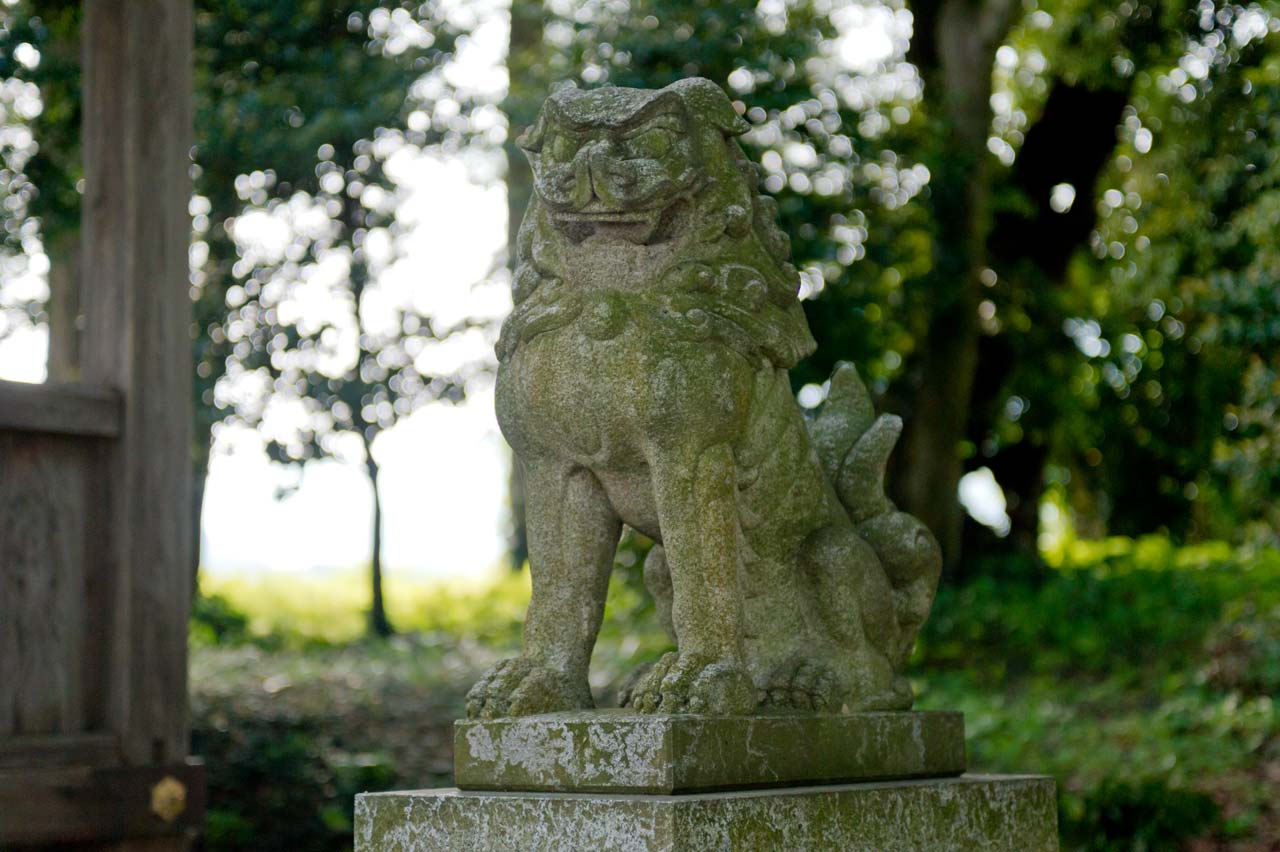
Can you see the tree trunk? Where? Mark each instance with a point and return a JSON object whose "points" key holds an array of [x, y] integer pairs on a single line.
{"points": [[954, 48], [1031, 246], [524, 55], [379, 624]]}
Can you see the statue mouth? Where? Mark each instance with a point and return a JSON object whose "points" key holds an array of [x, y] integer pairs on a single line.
{"points": [[633, 226]]}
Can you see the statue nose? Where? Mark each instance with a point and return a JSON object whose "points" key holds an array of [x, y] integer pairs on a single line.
{"points": [[606, 171]]}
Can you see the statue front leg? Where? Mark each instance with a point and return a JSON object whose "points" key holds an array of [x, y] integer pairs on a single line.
{"points": [[696, 497], [573, 535]]}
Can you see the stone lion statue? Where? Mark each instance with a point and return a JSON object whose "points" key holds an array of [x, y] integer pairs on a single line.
{"points": [[643, 381]]}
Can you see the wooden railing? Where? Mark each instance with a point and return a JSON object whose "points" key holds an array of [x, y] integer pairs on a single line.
{"points": [[87, 410]]}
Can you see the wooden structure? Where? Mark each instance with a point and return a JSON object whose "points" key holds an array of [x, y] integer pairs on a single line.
{"points": [[95, 585]]}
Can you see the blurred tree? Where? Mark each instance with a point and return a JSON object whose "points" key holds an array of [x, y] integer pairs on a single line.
{"points": [[327, 384], [1041, 228], [1063, 81], [276, 83], [943, 203], [318, 95], [301, 91], [41, 166], [953, 46], [1182, 353]]}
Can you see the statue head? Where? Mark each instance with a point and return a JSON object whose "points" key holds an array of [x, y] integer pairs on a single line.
{"points": [[614, 163]]}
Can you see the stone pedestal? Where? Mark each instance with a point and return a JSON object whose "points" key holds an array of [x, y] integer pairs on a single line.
{"points": [[634, 783]]}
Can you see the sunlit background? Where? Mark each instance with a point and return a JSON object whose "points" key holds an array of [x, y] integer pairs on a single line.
{"points": [[452, 215], [1049, 242]]}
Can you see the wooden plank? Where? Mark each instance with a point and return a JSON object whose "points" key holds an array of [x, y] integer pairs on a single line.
{"points": [[43, 502], [63, 306], [67, 409], [81, 750], [136, 230], [102, 806]]}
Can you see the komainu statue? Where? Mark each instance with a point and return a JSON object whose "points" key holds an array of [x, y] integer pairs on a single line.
{"points": [[643, 381]]}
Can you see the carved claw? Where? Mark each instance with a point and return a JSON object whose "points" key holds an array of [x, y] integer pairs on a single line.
{"points": [[803, 685], [521, 687], [681, 683], [899, 696]]}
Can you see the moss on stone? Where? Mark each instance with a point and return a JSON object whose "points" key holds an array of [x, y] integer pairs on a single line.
{"points": [[642, 753], [993, 813]]}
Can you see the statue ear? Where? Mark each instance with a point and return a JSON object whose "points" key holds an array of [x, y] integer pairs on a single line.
{"points": [[708, 102], [531, 140]]}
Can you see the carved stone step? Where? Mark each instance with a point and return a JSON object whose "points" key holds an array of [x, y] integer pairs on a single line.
{"points": [[996, 813], [625, 752]]}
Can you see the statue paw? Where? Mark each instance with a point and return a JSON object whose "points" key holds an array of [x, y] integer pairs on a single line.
{"points": [[899, 696], [681, 683], [627, 689], [522, 687], [803, 685]]}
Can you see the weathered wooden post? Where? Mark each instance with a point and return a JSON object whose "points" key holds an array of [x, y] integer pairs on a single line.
{"points": [[95, 586]]}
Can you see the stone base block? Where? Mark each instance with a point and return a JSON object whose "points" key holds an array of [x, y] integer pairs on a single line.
{"points": [[623, 752], [993, 813]]}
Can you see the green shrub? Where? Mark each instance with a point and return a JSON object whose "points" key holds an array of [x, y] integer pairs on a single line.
{"points": [[1244, 651], [1121, 816], [276, 783], [216, 621], [1145, 609]]}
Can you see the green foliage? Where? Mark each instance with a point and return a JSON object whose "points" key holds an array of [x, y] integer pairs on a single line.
{"points": [[1124, 817], [1094, 671], [1181, 290], [215, 621], [290, 735], [1123, 730], [1244, 650], [278, 783], [1095, 618]]}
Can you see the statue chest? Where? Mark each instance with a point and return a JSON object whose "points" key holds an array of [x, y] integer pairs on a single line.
{"points": [[606, 389]]}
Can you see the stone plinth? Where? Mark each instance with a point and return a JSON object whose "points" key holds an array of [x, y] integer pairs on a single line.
{"points": [[621, 752], [616, 781], [992, 813]]}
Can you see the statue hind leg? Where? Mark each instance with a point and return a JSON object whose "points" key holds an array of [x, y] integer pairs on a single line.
{"points": [[856, 609], [913, 562]]}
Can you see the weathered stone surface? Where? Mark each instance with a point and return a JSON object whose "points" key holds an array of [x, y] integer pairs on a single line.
{"points": [[991, 813], [639, 753], [643, 381]]}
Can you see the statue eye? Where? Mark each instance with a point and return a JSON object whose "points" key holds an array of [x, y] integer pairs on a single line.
{"points": [[559, 148], [650, 144]]}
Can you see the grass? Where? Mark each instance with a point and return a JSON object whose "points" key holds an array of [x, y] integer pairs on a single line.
{"points": [[1143, 677], [331, 609]]}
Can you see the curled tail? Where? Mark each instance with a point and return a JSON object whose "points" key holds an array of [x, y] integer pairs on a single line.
{"points": [[854, 446]]}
